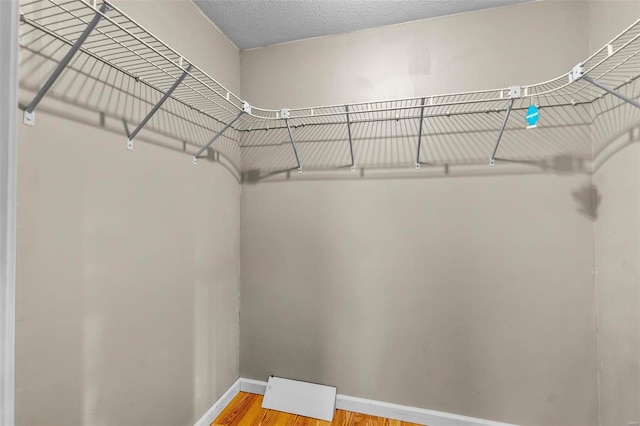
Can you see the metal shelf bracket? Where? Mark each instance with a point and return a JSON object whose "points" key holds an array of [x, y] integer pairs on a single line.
{"points": [[246, 109], [29, 116], [157, 107], [514, 93], [97, 30], [353, 163], [420, 133], [284, 114], [578, 73]]}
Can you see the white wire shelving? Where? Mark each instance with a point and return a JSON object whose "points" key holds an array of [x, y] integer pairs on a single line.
{"points": [[93, 40]]}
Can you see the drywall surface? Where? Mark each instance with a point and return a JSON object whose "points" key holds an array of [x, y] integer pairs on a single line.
{"points": [[453, 294], [616, 195], [480, 50], [471, 292], [128, 261], [608, 18], [618, 292], [181, 25]]}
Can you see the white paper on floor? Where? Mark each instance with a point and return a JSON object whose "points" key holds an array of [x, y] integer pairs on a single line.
{"points": [[301, 398]]}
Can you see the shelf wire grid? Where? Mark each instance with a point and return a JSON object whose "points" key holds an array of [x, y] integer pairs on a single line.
{"points": [[139, 67]]}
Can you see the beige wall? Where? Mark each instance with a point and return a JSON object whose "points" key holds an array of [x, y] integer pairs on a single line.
{"points": [[128, 262], [181, 25], [480, 50], [453, 294], [616, 178], [470, 293], [618, 292]]}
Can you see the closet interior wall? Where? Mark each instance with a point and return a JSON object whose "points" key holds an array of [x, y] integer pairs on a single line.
{"points": [[128, 261], [508, 293], [458, 287], [616, 197]]}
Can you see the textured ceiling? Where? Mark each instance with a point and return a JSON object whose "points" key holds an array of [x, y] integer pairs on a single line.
{"points": [[256, 23]]}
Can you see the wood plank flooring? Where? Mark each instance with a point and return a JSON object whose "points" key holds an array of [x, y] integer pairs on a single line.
{"points": [[246, 409]]}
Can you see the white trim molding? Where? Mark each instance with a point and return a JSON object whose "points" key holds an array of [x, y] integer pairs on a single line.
{"points": [[253, 386], [405, 413], [358, 405], [8, 190], [217, 407]]}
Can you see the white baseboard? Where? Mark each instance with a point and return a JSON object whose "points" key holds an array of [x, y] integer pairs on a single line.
{"points": [[356, 405], [219, 405], [408, 414], [387, 410], [253, 386]]}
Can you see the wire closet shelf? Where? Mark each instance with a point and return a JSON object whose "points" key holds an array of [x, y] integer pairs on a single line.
{"points": [[107, 35]]}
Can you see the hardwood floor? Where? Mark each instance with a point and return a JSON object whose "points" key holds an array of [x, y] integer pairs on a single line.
{"points": [[246, 409]]}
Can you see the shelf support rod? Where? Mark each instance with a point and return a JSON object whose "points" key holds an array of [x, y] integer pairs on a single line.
{"points": [[204, 148], [353, 162], [420, 132], [492, 160], [514, 93], [155, 109], [29, 112], [293, 144], [578, 72], [611, 91], [284, 114]]}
